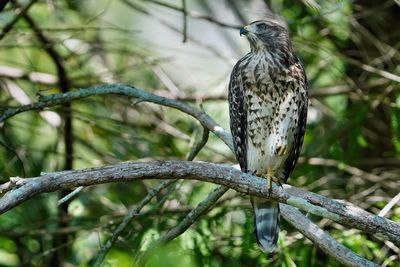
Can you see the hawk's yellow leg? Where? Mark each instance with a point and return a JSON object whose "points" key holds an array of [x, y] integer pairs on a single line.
{"points": [[271, 178]]}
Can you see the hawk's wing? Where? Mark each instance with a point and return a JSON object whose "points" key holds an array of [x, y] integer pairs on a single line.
{"points": [[294, 153], [238, 116]]}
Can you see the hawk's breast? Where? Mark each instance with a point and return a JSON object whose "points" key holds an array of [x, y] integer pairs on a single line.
{"points": [[271, 115]]}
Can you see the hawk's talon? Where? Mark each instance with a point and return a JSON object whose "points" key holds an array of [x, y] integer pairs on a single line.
{"points": [[277, 181], [269, 184], [281, 150], [270, 177]]}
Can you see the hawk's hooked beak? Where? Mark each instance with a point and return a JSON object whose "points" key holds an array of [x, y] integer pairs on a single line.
{"points": [[244, 30]]}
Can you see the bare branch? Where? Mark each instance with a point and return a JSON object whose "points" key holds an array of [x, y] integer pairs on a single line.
{"points": [[195, 15], [352, 171], [389, 205], [220, 54], [184, 28], [322, 239], [21, 11], [245, 183], [366, 222], [350, 214], [199, 145], [193, 215], [343, 213], [371, 69], [190, 219], [120, 89], [69, 196]]}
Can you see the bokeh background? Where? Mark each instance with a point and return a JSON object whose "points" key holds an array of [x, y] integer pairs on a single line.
{"points": [[185, 50]]}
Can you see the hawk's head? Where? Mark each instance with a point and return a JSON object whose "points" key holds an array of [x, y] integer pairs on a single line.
{"points": [[267, 34]]}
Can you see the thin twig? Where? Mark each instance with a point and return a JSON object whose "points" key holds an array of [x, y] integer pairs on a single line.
{"points": [[190, 219], [184, 12], [48, 46], [195, 15], [193, 215], [220, 54], [21, 11], [389, 205], [347, 168], [70, 196], [371, 69], [127, 220], [16, 154], [13, 183], [199, 145]]}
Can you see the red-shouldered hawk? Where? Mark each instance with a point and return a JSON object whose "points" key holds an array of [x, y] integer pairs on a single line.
{"points": [[268, 109]]}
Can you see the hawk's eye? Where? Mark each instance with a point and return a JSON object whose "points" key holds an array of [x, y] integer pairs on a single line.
{"points": [[262, 26]]}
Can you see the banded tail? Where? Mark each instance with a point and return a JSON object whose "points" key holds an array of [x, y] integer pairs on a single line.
{"points": [[266, 223]]}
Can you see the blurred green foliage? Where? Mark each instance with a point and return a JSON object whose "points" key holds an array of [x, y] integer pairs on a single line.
{"points": [[350, 51]]}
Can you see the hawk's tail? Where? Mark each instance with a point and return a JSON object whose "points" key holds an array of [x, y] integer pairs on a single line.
{"points": [[266, 223]]}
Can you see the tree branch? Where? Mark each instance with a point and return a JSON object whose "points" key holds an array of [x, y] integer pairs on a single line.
{"points": [[184, 12], [193, 215], [121, 89], [189, 219], [343, 213], [195, 15], [322, 239], [220, 54], [20, 12]]}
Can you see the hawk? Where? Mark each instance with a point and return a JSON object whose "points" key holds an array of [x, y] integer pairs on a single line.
{"points": [[268, 103]]}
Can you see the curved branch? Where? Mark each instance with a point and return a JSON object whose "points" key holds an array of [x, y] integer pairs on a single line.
{"points": [[322, 239], [121, 89], [219, 174]]}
